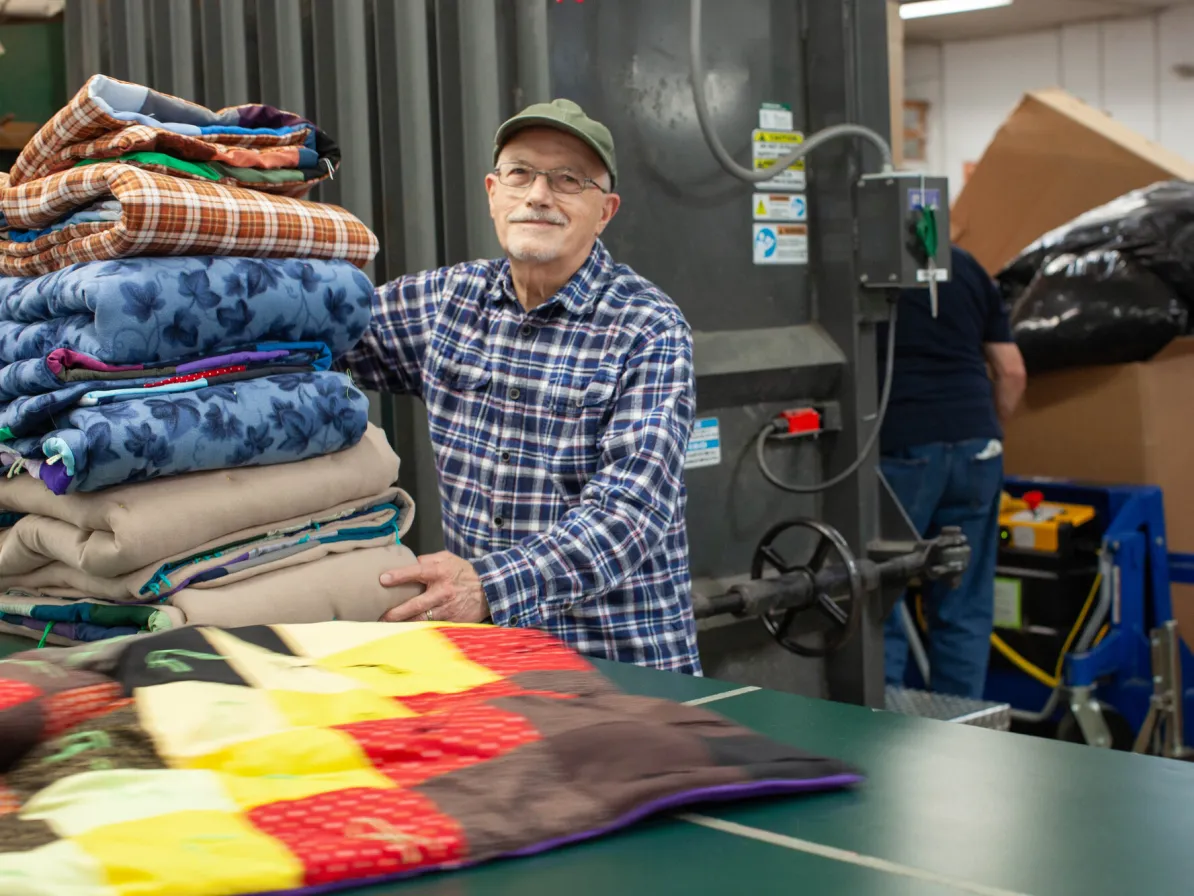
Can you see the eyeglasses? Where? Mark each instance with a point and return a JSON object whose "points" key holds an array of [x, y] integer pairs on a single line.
{"points": [[560, 180]]}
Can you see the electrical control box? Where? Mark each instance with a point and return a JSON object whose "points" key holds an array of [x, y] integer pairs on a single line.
{"points": [[898, 213]]}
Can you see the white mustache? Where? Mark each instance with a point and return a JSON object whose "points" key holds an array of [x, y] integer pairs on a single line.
{"points": [[529, 217]]}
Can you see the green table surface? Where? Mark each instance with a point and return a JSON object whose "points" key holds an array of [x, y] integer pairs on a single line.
{"points": [[957, 809]]}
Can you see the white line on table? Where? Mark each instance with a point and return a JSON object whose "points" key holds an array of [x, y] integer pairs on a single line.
{"points": [[841, 855], [724, 695]]}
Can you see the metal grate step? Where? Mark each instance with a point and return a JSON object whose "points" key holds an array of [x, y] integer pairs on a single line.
{"points": [[948, 708]]}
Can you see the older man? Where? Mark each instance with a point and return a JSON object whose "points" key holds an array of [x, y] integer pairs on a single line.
{"points": [[559, 388]]}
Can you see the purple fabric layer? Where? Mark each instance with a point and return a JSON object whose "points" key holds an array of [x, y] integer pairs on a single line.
{"points": [[260, 116], [55, 477], [721, 794], [61, 358], [227, 361]]}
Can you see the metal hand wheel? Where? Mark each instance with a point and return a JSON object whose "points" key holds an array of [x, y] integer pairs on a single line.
{"points": [[843, 622]]}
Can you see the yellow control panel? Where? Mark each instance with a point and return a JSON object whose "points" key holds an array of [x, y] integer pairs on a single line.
{"points": [[1031, 523]]}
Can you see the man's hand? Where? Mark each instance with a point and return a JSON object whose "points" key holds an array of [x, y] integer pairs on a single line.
{"points": [[454, 592]]}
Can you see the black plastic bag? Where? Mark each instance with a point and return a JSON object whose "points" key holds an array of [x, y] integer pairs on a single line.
{"points": [[1098, 307], [1154, 226]]}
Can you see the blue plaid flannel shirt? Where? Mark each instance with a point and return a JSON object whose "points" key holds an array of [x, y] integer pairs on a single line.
{"points": [[559, 439]]}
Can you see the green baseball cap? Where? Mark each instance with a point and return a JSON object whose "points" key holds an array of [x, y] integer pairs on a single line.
{"points": [[566, 116]]}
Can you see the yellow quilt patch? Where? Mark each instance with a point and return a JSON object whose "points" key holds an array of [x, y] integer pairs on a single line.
{"points": [[90, 800], [265, 669], [56, 869], [249, 793], [410, 661], [195, 718], [326, 710], [318, 639], [190, 854], [298, 751]]}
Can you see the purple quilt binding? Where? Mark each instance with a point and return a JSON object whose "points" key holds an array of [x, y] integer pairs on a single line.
{"points": [[722, 794]]}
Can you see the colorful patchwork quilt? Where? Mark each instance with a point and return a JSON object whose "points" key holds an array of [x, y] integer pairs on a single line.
{"points": [[311, 758]]}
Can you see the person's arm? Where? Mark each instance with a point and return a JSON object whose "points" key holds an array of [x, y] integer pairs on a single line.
{"points": [[1004, 361], [1008, 376], [390, 356], [625, 508]]}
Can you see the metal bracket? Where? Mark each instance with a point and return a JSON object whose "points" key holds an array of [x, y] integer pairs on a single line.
{"points": [[1085, 707], [1161, 732]]}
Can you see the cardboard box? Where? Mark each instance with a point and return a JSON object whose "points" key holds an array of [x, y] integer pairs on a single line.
{"points": [[1127, 424], [1053, 159]]}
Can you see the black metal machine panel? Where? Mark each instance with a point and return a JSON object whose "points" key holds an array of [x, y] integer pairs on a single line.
{"points": [[684, 224], [689, 227], [760, 346]]}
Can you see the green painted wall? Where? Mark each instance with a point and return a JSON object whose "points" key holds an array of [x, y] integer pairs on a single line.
{"points": [[32, 71]]}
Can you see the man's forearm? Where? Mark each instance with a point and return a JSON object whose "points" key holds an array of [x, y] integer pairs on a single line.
{"points": [[1008, 392], [1008, 376], [587, 554]]}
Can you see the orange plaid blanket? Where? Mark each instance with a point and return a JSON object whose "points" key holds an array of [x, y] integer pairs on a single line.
{"points": [[163, 215], [108, 119]]}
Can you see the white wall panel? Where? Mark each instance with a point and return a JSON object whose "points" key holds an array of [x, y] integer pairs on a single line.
{"points": [[1082, 62], [1126, 67], [983, 81], [1130, 73], [1175, 101]]}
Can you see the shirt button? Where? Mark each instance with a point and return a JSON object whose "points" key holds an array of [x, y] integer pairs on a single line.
{"points": [[580, 401], [498, 522], [505, 457], [526, 330], [514, 619], [514, 393]]}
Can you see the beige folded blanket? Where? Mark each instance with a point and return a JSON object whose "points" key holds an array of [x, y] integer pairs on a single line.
{"points": [[118, 531], [265, 530], [343, 586], [63, 580]]}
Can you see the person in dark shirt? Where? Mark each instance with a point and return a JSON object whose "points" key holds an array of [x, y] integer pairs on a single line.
{"points": [[956, 377]]}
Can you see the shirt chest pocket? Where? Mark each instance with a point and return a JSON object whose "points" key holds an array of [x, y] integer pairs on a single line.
{"points": [[460, 391], [578, 409]]}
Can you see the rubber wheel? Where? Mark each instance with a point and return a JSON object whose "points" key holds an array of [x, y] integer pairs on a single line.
{"points": [[1122, 735]]}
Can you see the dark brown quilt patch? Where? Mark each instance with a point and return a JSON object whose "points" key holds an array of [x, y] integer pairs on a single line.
{"points": [[114, 740], [18, 836], [587, 739], [480, 798], [580, 684]]}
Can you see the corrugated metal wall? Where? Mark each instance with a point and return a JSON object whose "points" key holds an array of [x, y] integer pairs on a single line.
{"points": [[412, 90]]}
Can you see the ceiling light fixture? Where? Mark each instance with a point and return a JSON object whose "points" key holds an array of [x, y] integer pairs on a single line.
{"points": [[922, 9]]}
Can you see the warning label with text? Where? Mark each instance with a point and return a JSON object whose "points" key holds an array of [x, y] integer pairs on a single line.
{"points": [[768, 147], [780, 244], [704, 445], [779, 207]]}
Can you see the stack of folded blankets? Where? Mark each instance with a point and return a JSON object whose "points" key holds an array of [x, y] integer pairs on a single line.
{"points": [[178, 449]]}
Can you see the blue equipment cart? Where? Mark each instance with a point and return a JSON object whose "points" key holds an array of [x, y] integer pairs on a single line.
{"points": [[1126, 678]]}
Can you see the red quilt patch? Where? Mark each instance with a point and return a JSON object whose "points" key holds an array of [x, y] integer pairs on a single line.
{"points": [[361, 833], [410, 751]]}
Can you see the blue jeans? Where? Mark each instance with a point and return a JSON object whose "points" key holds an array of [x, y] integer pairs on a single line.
{"points": [[940, 485]]}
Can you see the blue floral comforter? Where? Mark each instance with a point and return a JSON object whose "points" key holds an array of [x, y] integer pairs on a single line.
{"points": [[33, 394], [153, 309], [254, 422]]}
